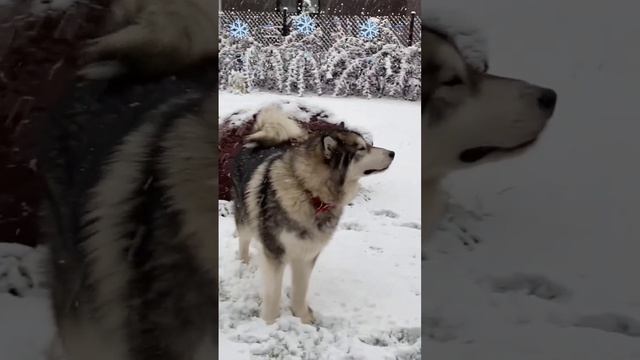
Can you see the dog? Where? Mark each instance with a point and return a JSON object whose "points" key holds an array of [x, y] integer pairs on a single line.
{"points": [[289, 189], [130, 216], [151, 37], [472, 117]]}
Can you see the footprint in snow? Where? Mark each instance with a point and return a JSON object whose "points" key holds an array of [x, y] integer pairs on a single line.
{"points": [[438, 329], [385, 212], [460, 231], [410, 225], [530, 284], [405, 342], [352, 226], [610, 322], [408, 336]]}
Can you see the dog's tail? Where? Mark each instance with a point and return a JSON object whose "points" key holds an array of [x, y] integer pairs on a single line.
{"points": [[274, 127]]}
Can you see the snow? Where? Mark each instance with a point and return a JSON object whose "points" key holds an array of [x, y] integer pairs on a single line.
{"points": [[26, 326], [555, 275], [365, 290]]}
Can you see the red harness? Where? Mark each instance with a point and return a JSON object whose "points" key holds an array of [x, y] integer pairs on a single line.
{"points": [[321, 206]]}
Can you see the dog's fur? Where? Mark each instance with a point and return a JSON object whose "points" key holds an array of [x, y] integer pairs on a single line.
{"points": [[150, 37], [472, 117], [131, 169], [291, 197]]}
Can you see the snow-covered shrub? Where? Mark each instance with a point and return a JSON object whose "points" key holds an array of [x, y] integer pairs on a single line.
{"points": [[354, 65], [378, 67], [237, 55], [301, 54]]}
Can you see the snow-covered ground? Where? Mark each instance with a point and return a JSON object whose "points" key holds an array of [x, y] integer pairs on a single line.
{"points": [[556, 274], [365, 289]]}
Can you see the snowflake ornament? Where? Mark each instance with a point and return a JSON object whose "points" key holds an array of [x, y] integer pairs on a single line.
{"points": [[305, 25], [239, 29], [369, 29]]}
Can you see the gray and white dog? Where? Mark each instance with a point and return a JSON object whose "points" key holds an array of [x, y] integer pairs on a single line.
{"points": [[131, 214], [472, 117], [291, 197]]}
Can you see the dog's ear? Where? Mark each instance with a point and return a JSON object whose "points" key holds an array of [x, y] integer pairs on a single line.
{"points": [[328, 146], [341, 125]]}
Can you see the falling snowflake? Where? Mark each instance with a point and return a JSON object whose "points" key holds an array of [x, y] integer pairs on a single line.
{"points": [[305, 25], [369, 30], [239, 29]]}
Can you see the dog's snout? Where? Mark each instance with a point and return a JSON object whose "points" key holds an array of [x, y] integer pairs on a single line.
{"points": [[547, 99], [392, 154]]}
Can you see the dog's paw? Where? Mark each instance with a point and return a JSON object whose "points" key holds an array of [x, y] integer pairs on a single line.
{"points": [[269, 317], [244, 258], [306, 316]]}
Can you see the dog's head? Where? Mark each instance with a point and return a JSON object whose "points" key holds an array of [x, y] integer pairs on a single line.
{"points": [[474, 117], [345, 156]]}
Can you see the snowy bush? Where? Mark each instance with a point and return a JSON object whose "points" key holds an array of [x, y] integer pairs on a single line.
{"points": [[378, 67], [355, 65], [237, 55], [302, 55]]}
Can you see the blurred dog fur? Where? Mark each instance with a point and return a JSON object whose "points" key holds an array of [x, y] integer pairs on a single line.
{"points": [[150, 37], [128, 165]]}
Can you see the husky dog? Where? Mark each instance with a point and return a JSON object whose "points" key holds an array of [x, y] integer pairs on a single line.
{"points": [[130, 218], [291, 198], [148, 37], [472, 117]]}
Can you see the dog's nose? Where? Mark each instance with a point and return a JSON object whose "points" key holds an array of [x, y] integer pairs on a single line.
{"points": [[392, 154], [547, 99]]}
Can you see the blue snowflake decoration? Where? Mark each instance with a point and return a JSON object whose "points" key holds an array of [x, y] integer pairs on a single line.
{"points": [[305, 25], [369, 29], [239, 29]]}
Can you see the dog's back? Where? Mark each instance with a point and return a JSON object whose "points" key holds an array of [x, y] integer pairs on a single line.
{"points": [[273, 133], [126, 163]]}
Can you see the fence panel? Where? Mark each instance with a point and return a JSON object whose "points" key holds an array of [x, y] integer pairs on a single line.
{"points": [[266, 27]]}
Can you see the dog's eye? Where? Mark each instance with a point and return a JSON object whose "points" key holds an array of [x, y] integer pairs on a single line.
{"points": [[454, 81], [362, 148]]}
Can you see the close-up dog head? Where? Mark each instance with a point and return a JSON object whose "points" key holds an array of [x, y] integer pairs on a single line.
{"points": [[474, 117], [345, 156]]}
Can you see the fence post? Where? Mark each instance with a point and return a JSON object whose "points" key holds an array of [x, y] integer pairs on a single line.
{"points": [[411, 26], [285, 30]]}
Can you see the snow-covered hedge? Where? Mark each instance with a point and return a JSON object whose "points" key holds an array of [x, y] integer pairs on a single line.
{"points": [[352, 66]]}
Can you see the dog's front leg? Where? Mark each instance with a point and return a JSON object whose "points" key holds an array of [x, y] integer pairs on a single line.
{"points": [[272, 271], [300, 274], [244, 239]]}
